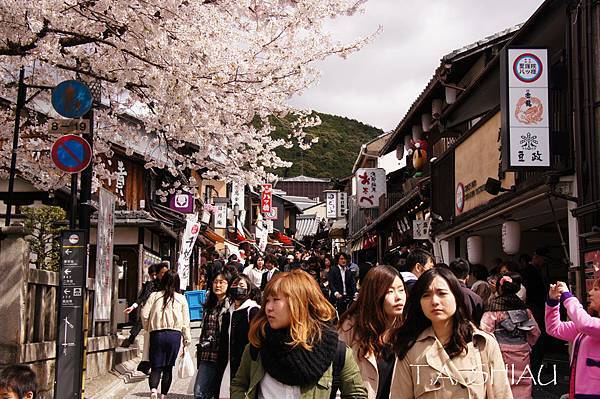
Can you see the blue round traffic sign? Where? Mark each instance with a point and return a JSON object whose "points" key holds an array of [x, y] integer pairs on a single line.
{"points": [[72, 99], [71, 153]]}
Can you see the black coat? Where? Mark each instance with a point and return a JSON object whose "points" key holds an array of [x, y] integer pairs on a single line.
{"points": [[263, 281], [233, 344], [336, 285]]}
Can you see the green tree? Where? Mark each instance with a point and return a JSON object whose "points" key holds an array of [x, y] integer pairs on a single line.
{"points": [[41, 223]]}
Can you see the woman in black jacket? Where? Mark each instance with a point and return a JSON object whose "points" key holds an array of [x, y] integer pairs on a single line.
{"points": [[236, 323]]}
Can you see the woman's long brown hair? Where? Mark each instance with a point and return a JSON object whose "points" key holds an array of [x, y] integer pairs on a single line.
{"points": [[309, 309], [367, 314]]}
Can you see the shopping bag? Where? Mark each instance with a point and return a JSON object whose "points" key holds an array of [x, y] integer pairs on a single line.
{"points": [[186, 368]]}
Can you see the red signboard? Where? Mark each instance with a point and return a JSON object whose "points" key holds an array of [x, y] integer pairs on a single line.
{"points": [[266, 198]]}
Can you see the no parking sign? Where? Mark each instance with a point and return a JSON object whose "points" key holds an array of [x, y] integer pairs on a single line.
{"points": [[71, 153]]}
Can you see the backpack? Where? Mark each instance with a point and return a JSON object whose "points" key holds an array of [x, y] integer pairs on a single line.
{"points": [[338, 365]]}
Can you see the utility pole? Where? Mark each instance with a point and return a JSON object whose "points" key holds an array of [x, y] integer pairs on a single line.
{"points": [[21, 97]]}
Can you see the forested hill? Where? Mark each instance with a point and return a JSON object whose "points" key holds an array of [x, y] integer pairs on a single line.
{"points": [[340, 140]]}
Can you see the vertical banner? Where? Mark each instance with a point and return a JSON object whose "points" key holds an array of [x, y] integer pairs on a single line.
{"points": [[69, 340], [370, 185], [331, 203], [237, 195], [262, 233], [342, 204], [525, 109], [266, 198], [192, 228], [221, 215], [104, 256]]}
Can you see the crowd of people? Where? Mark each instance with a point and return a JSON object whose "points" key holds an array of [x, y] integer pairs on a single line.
{"points": [[306, 325]]}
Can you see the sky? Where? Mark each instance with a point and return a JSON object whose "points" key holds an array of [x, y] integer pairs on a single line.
{"points": [[378, 84]]}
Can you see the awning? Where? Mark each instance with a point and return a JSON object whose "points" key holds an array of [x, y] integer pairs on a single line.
{"points": [[306, 225], [285, 240], [211, 235]]}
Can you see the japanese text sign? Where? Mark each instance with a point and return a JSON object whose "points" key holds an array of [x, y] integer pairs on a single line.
{"points": [[192, 229], [266, 198], [526, 109], [237, 195], [331, 204], [370, 185], [103, 282], [342, 205], [221, 215]]}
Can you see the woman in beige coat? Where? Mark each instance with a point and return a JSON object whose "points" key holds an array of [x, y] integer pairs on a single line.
{"points": [[366, 325], [441, 354]]}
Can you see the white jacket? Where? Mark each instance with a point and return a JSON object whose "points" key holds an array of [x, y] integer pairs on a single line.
{"points": [[176, 316]]}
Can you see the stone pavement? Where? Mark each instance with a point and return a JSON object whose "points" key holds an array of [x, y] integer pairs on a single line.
{"points": [[180, 389]]}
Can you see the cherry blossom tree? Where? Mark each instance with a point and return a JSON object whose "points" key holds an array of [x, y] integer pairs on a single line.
{"points": [[198, 80]]}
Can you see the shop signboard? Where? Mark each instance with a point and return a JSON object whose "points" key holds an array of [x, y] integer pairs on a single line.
{"points": [[237, 195], [221, 215], [331, 203], [421, 229], [370, 185], [342, 204], [183, 202], [266, 198], [103, 283], [273, 214], [525, 109]]}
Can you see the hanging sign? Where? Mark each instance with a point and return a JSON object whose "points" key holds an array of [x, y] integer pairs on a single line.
{"points": [[273, 214], [103, 282], [342, 204], [192, 229], [183, 203], [331, 204], [71, 153], [72, 99], [525, 109], [420, 229], [237, 195], [266, 198], [370, 185], [221, 215]]}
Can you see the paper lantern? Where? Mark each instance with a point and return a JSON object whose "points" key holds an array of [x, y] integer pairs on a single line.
{"points": [[400, 151], [451, 94], [436, 108], [475, 249], [426, 122], [417, 132], [511, 237]]}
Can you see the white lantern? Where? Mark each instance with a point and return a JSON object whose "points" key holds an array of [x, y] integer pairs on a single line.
{"points": [[417, 132], [451, 94], [400, 151], [475, 249], [511, 237], [436, 108], [426, 122]]}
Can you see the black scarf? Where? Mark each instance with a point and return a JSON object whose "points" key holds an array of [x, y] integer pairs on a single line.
{"points": [[297, 366], [505, 303]]}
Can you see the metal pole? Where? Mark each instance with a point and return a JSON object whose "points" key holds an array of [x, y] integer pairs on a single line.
{"points": [[21, 96], [73, 215], [85, 195]]}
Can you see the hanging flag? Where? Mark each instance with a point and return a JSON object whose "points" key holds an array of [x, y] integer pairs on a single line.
{"points": [[192, 228]]}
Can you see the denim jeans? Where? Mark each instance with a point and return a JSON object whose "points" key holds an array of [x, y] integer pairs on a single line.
{"points": [[207, 382]]}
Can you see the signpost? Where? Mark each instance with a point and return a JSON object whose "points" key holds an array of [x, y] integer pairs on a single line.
{"points": [[72, 99], [69, 343], [71, 153]]}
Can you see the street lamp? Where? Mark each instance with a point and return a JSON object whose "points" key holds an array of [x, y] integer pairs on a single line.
{"points": [[236, 213]]}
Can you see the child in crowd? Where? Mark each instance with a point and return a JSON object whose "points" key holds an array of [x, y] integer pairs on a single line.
{"points": [[17, 382]]}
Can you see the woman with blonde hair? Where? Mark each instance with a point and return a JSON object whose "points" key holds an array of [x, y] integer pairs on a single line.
{"points": [[366, 326], [293, 351]]}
